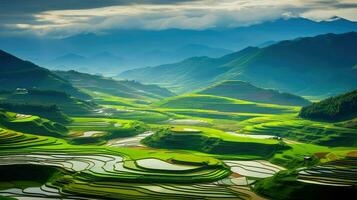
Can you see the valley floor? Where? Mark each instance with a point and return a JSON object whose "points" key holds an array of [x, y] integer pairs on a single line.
{"points": [[149, 151]]}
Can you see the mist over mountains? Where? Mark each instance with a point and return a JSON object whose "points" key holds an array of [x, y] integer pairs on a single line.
{"points": [[320, 65], [115, 51]]}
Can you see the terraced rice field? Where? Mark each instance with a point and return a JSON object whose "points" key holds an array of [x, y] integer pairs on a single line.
{"points": [[12, 140], [118, 166], [336, 173], [189, 122], [92, 173], [185, 130], [245, 173], [129, 141], [106, 169], [253, 136]]}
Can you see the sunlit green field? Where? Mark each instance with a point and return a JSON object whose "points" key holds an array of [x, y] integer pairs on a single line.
{"points": [[191, 146]]}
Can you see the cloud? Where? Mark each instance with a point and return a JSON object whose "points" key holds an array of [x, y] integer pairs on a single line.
{"points": [[61, 18]]}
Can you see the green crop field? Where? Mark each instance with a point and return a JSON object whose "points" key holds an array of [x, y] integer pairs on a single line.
{"points": [[193, 146]]}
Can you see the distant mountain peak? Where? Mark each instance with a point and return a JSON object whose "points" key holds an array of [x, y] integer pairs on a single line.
{"points": [[18, 73], [336, 18], [294, 66]]}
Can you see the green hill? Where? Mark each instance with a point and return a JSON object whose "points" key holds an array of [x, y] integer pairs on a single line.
{"points": [[320, 65], [125, 89], [30, 124], [16, 73], [246, 91], [52, 113], [69, 105], [211, 141], [338, 108], [224, 104]]}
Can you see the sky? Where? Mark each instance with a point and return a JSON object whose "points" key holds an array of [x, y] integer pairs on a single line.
{"points": [[60, 18]]}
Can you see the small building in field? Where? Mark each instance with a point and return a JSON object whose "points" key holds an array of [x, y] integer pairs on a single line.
{"points": [[21, 91]]}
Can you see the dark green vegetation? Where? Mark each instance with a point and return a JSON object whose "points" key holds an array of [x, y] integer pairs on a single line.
{"points": [[47, 98], [52, 113], [32, 174], [125, 89], [246, 91], [294, 66], [213, 142], [334, 180], [31, 124], [301, 130], [16, 73], [338, 108], [349, 123]]}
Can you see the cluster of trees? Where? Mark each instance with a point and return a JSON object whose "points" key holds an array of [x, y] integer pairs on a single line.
{"points": [[51, 93], [338, 108]]}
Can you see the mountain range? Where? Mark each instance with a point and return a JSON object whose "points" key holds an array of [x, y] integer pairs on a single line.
{"points": [[141, 48], [20, 74], [125, 89], [321, 65]]}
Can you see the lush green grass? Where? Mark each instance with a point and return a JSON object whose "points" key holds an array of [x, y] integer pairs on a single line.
{"points": [[108, 99], [243, 90], [31, 124], [11, 140], [141, 114], [223, 104], [52, 113], [201, 142], [301, 130]]}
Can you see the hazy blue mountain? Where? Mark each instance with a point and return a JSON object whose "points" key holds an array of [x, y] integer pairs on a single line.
{"points": [[325, 64], [106, 61], [16, 73], [68, 61], [126, 89], [166, 46]]}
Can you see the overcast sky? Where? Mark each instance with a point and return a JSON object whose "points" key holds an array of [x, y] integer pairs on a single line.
{"points": [[68, 17]]}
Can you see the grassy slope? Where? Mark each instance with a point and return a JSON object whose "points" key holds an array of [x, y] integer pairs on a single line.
{"points": [[284, 186], [17, 73], [66, 103], [124, 89], [301, 130], [246, 91], [52, 113], [212, 141], [224, 104], [111, 128], [31, 124]]}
